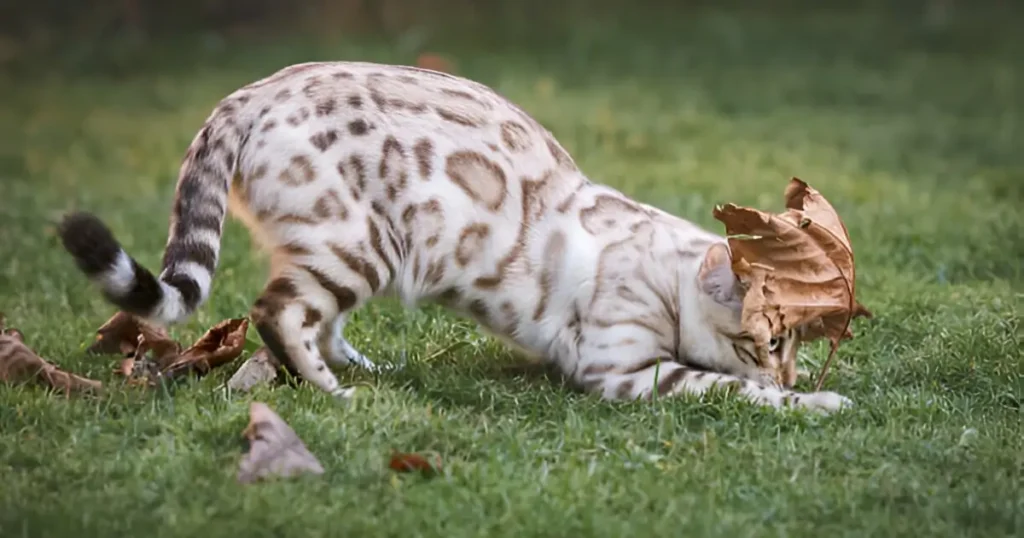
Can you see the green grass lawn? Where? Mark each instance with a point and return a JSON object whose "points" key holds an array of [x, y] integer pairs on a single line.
{"points": [[915, 137]]}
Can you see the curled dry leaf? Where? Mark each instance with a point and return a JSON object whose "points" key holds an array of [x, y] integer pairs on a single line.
{"points": [[121, 333], [403, 463], [274, 448], [156, 343], [20, 363], [797, 266], [127, 335], [152, 341], [220, 345]]}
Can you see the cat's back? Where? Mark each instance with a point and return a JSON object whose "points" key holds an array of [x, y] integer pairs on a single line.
{"points": [[433, 116]]}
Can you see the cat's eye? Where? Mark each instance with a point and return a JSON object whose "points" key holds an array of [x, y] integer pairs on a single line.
{"points": [[773, 344]]}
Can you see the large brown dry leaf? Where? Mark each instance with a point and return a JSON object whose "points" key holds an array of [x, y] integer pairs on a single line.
{"points": [[151, 340], [121, 335], [135, 340], [274, 448], [159, 345], [19, 363], [220, 345], [797, 265]]}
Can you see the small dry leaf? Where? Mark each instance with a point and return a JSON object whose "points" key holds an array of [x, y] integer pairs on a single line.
{"points": [[403, 463], [274, 448], [262, 367], [798, 268], [20, 363]]}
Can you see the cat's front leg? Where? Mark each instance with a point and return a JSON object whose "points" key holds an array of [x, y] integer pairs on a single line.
{"points": [[670, 378], [615, 376]]}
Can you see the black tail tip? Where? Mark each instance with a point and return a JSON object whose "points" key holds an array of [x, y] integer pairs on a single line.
{"points": [[89, 241]]}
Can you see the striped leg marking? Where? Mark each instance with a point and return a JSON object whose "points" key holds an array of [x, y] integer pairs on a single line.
{"points": [[670, 378], [289, 317]]}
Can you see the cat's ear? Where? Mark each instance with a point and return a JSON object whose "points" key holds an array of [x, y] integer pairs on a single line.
{"points": [[716, 278]]}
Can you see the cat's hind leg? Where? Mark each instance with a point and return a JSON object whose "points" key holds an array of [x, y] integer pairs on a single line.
{"points": [[288, 317], [307, 292], [338, 350]]}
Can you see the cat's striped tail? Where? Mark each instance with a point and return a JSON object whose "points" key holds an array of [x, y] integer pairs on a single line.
{"points": [[193, 245]]}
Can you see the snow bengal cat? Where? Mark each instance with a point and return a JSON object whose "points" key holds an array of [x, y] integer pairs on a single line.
{"points": [[363, 179]]}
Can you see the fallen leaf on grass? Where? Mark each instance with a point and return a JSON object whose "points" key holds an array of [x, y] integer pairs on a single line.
{"points": [[403, 463], [262, 367], [274, 448], [797, 266], [120, 335], [220, 345], [158, 345], [126, 335], [148, 339], [19, 363]]}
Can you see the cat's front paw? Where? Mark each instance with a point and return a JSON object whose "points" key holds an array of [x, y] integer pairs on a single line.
{"points": [[824, 402]]}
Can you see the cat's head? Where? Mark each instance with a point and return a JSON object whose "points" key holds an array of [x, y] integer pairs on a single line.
{"points": [[722, 306]]}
